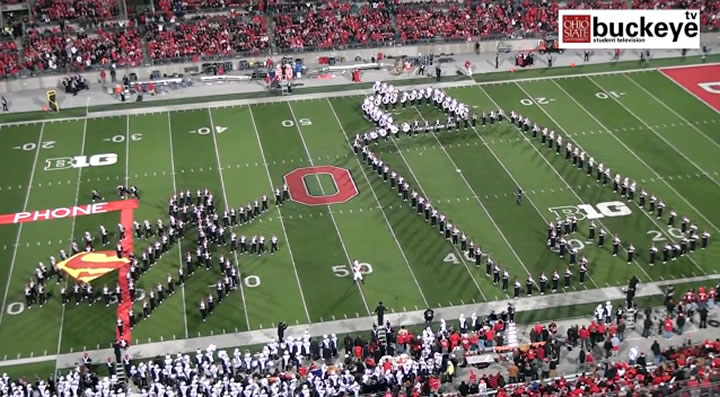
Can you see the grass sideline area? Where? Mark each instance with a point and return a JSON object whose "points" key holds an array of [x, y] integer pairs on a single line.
{"points": [[239, 153], [479, 77]]}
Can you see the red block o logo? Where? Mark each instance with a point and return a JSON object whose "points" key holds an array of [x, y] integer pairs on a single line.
{"points": [[299, 193]]}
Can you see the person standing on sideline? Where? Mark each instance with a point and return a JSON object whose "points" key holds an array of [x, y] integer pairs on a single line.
{"points": [[380, 311], [429, 315], [5, 104], [282, 326]]}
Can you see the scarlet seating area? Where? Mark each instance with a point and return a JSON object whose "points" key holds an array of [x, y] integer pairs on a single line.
{"points": [[183, 6], [48, 51], [206, 36], [8, 58], [687, 367], [333, 25], [47, 11], [298, 25]]}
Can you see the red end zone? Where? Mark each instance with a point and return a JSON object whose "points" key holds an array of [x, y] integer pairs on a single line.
{"points": [[701, 81]]}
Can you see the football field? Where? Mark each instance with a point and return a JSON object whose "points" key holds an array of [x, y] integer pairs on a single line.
{"points": [[652, 126]]}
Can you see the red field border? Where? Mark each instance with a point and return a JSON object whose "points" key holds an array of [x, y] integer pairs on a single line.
{"points": [[126, 208]]}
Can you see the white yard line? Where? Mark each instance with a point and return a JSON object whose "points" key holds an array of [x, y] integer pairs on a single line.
{"points": [[20, 227], [634, 155], [372, 190], [424, 193], [678, 151], [127, 152], [72, 234], [227, 204], [179, 243], [337, 229], [282, 222], [678, 115], [558, 173], [512, 177], [476, 198]]}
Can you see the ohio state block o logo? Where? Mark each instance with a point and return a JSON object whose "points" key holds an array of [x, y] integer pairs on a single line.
{"points": [[342, 178]]}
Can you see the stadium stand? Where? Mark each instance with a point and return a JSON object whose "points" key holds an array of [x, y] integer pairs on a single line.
{"points": [[333, 25], [47, 11], [206, 36], [179, 31], [186, 6], [8, 58], [49, 51]]}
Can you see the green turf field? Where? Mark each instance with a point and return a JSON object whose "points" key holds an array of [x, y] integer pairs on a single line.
{"points": [[652, 131]]}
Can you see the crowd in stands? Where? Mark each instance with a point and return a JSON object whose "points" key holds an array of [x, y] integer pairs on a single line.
{"points": [[8, 58], [181, 7], [206, 36], [50, 51], [174, 34], [47, 11], [333, 25]]}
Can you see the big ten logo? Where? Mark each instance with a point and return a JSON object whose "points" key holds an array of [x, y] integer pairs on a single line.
{"points": [[609, 209], [82, 161]]}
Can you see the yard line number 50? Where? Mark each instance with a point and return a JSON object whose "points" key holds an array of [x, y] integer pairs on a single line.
{"points": [[344, 270], [301, 122]]}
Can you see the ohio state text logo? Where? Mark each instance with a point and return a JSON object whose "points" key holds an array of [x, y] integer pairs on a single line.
{"points": [[344, 184], [576, 28]]}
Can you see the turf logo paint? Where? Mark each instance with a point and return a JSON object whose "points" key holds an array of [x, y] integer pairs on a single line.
{"points": [[66, 212], [609, 209], [299, 192], [82, 161], [87, 266], [702, 81], [629, 29]]}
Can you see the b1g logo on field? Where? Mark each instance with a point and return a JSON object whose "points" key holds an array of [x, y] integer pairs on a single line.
{"points": [[609, 209], [345, 188], [82, 161]]}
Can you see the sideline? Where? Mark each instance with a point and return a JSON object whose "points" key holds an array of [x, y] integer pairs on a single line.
{"points": [[329, 94], [254, 337]]}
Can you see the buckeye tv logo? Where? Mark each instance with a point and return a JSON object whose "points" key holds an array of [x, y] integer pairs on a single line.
{"points": [[629, 29]]}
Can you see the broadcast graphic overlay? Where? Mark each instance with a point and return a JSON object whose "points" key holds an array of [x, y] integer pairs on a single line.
{"points": [[629, 29]]}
